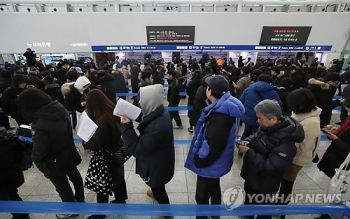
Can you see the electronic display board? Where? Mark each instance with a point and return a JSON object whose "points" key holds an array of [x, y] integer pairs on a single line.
{"points": [[157, 35], [285, 35]]}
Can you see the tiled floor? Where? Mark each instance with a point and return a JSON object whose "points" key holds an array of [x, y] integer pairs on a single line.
{"points": [[181, 188]]}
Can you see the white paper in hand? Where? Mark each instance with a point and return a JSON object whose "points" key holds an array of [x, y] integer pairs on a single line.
{"points": [[123, 107], [86, 128]]}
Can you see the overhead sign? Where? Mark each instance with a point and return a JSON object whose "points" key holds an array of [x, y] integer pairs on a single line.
{"points": [[284, 35], [113, 48], [38, 44], [170, 35]]}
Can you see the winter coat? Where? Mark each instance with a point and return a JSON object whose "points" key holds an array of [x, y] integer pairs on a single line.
{"points": [[157, 78], [277, 79], [211, 151], [52, 87], [283, 93], [192, 88], [250, 99], [11, 94], [271, 152], [5, 84], [173, 92], [75, 94], [335, 154], [54, 151], [199, 101], [154, 147], [306, 150], [34, 79], [108, 137], [108, 87], [119, 83], [242, 84], [323, 94]]}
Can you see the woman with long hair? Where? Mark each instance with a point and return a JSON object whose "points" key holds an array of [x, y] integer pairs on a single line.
{"points": [[303, 105], [106, 139], [54, 151]]}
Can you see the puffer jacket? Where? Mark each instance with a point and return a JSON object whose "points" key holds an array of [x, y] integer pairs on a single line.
{"points": [[242, 84], [250, 99], [271, 152], [211, 151], [53, 140], [306, 150], [324, 93]]}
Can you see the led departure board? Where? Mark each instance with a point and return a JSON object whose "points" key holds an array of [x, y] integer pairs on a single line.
{"points": [[284, 35], [170, 35]]}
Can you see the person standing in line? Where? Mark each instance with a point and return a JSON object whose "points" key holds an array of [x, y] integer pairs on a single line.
{"points": [[268, 153], [54, 152], [174, 97], [191, 91], [211, 152], [305, 111], [106, 138], [153, 148]]}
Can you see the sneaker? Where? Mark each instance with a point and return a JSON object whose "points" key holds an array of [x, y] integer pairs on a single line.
{"points": [[66, 215], [190, 130], [150, 193], [179, 127]]}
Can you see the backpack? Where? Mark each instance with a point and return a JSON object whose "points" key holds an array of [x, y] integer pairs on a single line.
{"points": [[17, 150], [50, 86]]}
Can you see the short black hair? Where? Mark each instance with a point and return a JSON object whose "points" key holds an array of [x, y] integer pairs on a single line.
{"points": [[286, 83], [301, 101], [276, 69], [46, 73], [65, 63], [332, 76], [245, 70], [146, 74], [269, 64], [172, 73], [72, 75], [265, 78]]}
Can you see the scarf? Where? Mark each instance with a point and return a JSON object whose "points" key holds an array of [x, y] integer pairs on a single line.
{"points": [[344, 127]]}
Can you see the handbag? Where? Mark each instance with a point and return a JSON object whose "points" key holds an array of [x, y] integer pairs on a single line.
{"points": [[99, 176], [120, 156], [339, 184]]}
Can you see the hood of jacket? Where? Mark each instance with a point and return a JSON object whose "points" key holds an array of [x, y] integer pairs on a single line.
{"points": [[323, 85], [288, 128], [80, 83], [53, 111], [300, 117], [17, 79], [262, 86], [65, 88], [227, 105], [151, 97]]}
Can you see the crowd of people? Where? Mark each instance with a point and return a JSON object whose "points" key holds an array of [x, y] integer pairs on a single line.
{"points": [[279, 102]]}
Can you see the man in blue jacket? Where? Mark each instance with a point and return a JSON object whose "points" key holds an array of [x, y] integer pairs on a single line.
{"points": [[211, 152]]}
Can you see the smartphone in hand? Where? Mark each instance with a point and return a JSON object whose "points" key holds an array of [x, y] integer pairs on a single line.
{"points": [[325, 130]]}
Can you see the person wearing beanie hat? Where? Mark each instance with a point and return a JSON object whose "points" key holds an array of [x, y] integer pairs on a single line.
{"points": [[211, 152], [10, 95]]}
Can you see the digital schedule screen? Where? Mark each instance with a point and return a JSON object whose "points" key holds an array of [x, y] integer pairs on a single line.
{"points": [[170, 35], [284, 35]]}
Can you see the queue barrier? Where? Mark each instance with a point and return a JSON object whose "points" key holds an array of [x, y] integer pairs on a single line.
{"points": [[170, 210], [136, 94]]}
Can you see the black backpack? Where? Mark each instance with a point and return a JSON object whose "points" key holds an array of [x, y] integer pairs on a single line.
{"points": [[15, 150], [53, 85]]}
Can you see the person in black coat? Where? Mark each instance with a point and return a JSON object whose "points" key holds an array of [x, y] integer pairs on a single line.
{"points": [[324, 92], [54, 152], [12, 175], [157, 79], [6, 80], [200, 100], [174, 97], [153, 148], [51, 86], [339, 149], [283, 90], [107, 85], [10, 95], [31, 57], [191, 91], [76, 94], [119, 83], [135, 71], [34, 77]]}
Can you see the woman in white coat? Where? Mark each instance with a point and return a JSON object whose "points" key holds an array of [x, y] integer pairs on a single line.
{"points": [[305, 111]]}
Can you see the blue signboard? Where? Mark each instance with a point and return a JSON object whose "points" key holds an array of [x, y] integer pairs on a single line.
{"points": [[2, 65], [213, 47]]}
